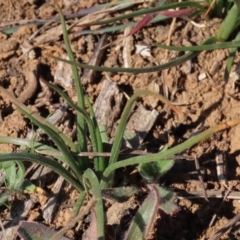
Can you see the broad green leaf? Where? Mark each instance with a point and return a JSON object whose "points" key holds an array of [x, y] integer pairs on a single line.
{"points": [[36, 231], [152, 171], [146, 170], [14, 177], [166, 202], [119, 194], [229, 23], [144, 219], [162, 166], [11, 172]]}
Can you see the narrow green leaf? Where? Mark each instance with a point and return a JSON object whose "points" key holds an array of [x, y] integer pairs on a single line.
{"points": [[81, 132], [60, 144], [169, 154], [167, 65], [99, 163], [201, 47], [90, 177], [124, 117], [230, 59], [20, 105], [146, 11], [78, 204], [47, 162]]}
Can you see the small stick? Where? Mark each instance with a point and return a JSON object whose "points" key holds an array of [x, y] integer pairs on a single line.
{"points": [[106, 154], [3, 230], [210, 194], [200, 178], [209, 9], [221, 168], [225, 197], [78, 218], [89, 74], [225, 228]]}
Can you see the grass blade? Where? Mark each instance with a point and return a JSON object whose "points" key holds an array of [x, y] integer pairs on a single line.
{"points": [[230, 59], [125, 114], [60, 144], [203, 47], [81, 132], [89, 176], [146, 11], [99, 163], [38, 118], [47, 162], [168, 154]]}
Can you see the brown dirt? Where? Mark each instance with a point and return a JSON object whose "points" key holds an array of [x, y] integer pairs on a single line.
{"points": [[205, 103]]}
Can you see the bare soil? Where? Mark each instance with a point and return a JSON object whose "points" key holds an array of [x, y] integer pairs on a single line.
{"points": [[196, 87]]}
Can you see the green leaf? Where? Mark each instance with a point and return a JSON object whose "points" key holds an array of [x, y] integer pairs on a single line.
{"points": [[14, 177], [11, 172], [99, 163], [59, 143], [36, 231], [145, 217], [4, 197], [90, 177], [122, 124], [229, 23], [168, 154], [146, 170], [81, 129], [119, 194], [202, 47], [152, 171], [163, 166], [36, 116], [47, 162], [78, 204], [230, 59], [167, 198], [146, 11]]}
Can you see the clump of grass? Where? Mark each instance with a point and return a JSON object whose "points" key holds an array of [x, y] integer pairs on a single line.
{"points": [[94, 181]]}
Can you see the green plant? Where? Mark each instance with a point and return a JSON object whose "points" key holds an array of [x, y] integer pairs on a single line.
{"points": [[14, 177], [95, 181]]}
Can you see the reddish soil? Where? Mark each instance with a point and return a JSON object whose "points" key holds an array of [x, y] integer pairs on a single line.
{"points": [[196, 87]]}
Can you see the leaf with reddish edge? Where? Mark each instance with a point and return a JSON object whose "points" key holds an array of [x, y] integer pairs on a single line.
{"points": [[145, 218], [167, 198], [148, 18], [36, 231]]}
